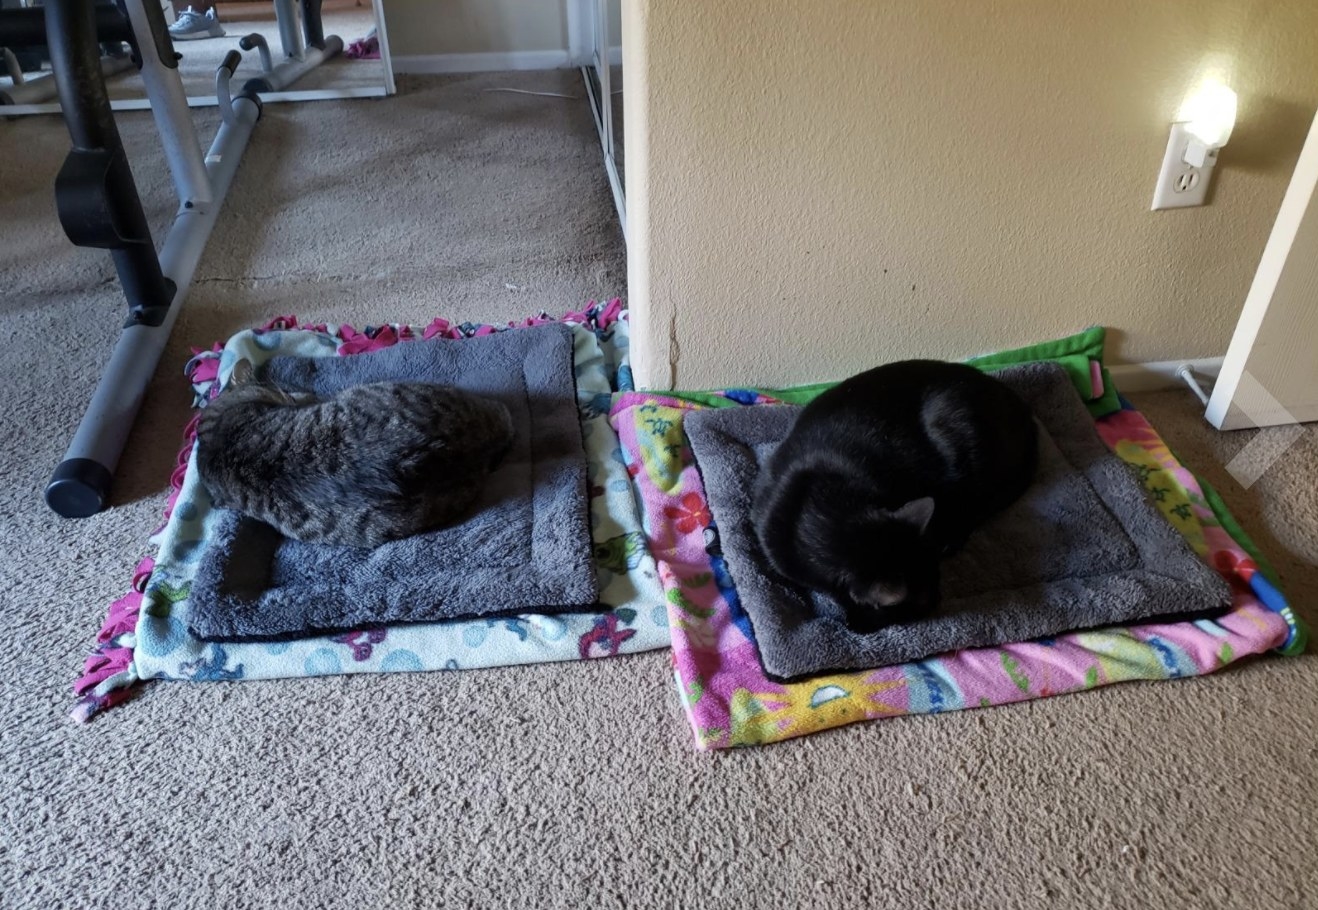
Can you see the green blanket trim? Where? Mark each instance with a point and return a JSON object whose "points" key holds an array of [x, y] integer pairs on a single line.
{"points": [[1073, 354]]}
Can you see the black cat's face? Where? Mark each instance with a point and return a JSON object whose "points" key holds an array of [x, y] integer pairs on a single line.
{"points": [[895, 575]]}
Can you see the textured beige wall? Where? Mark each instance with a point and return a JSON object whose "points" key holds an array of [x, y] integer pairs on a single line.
{"points": [[817, 187], [475, 26]]}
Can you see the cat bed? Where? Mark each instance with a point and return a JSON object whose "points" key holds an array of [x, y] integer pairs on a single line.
{"points": [[730, 702], [145, 635], [525, 545], [1082, 548]]}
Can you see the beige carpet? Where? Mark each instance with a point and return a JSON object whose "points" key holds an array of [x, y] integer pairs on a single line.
{"points": [[554, 786]]}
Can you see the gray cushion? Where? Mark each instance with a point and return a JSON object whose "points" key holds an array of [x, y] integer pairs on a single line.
{"points": [[526, 546], [1082, 548]]}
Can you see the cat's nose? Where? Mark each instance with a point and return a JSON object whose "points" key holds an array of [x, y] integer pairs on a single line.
{"points": [[882, 594]]}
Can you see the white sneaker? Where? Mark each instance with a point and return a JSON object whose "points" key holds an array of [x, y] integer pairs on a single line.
{"points": [[192, 26]]}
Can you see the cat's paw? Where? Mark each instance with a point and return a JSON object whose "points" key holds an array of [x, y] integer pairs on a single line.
{"points": [[863, 620]]}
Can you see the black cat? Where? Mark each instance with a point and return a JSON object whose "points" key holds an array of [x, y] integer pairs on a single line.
{"points": [[886, 473]]}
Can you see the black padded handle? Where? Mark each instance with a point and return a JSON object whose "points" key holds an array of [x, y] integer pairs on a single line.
{"points": [[231, 61]]}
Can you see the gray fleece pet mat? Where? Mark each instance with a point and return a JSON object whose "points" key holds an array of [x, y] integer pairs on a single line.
{"points": [[1083, 548], [524, 547]]}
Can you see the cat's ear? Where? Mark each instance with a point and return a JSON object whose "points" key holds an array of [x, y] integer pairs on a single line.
{"points": [[242, 373], [917, 513]]}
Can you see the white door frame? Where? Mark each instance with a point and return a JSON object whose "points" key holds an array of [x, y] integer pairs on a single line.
{"points": [[1284, 346]]}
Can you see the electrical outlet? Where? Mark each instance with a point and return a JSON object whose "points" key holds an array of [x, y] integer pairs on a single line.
{"points": [[1179, 184]]}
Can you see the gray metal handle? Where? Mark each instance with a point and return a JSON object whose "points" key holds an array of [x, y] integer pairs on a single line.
{"points": [[223, 73], [11, 64], [257, 40]]}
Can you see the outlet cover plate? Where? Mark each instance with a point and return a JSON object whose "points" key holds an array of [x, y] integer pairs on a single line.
{"points": [[1180, 185]]}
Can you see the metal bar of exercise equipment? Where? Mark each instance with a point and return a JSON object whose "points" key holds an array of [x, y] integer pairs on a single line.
{"points": [[99, 207], [98, 203], [305, 48]]}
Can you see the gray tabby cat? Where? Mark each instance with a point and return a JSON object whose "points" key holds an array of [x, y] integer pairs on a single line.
{"points": [[374, 463]]}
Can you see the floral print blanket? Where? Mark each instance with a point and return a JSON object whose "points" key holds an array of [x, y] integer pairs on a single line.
{"points": [[729, 701], [145, 636]]}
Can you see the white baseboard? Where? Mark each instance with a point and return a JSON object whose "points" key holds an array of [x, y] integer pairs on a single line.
{"points": [[481, 63], [1150, 377]]}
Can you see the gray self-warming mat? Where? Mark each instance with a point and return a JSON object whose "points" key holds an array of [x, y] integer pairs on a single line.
{"points": [[1082, 548], [524, 547]]}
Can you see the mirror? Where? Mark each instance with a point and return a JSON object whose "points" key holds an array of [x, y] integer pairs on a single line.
{"points": [[614, 15], [292, 49], [604, 78]]}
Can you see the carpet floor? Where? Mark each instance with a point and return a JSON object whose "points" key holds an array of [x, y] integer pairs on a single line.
{"points": [[548, 786]]}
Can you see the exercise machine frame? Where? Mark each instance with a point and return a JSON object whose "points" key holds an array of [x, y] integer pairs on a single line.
{"points": [[99, 206]]}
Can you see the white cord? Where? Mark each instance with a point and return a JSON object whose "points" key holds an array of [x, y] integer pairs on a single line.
{"points": [[522, 91]]}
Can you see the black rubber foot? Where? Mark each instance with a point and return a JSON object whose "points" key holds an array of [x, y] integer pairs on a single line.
{"points": [[78, 488], [254, 98]]}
